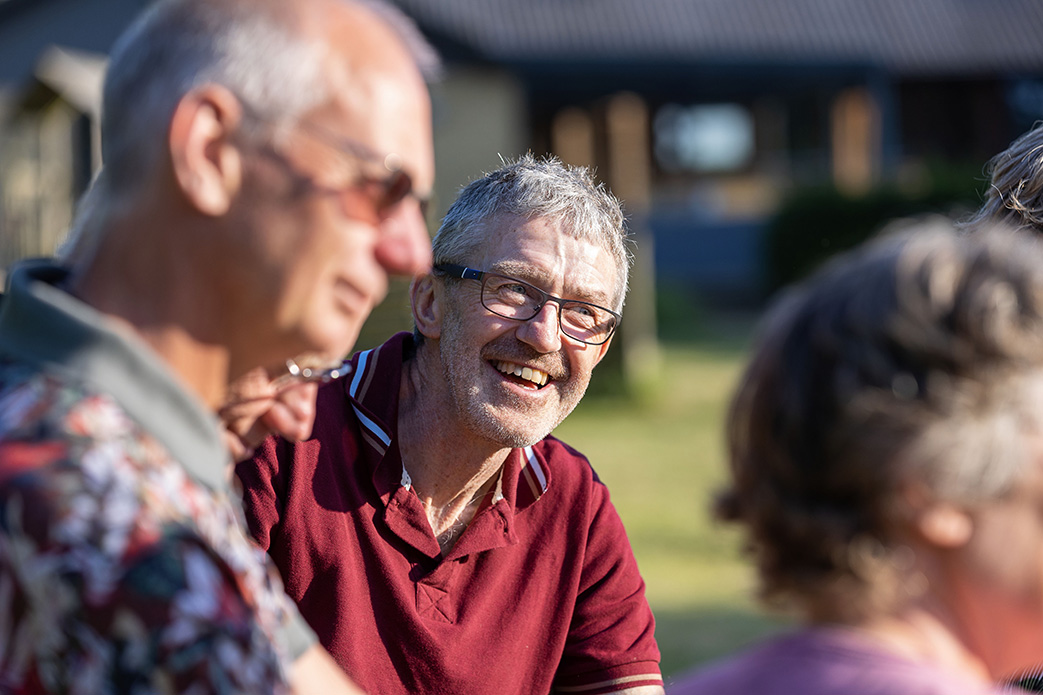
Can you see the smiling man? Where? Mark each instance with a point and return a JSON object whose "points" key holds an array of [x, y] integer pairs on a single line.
{"points": [[431, 517]]}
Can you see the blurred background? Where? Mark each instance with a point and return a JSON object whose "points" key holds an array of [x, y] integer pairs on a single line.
{"points": [[749, 140]]}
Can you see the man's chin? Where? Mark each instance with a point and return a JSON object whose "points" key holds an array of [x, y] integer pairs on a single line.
{"points": [[329, 347], [514, 437]]}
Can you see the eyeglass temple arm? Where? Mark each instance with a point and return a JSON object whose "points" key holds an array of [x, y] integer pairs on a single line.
{"points": [[459, 271]]}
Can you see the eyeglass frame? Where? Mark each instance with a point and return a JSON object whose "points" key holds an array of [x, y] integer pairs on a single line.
{"points": [[296, 374], [392, 162], [461, 272]]}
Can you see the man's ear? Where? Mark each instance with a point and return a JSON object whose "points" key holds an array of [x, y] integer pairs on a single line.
{"points": [[426, 294], [206, 164], [603, 350]]}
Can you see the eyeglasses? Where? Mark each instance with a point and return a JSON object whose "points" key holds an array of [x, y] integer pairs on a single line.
{"points": [[384, 192], [297, 374], [514, 299]]}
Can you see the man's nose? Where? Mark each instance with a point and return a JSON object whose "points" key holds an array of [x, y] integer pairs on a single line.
{"points": [[404, 247], [542, 331]]}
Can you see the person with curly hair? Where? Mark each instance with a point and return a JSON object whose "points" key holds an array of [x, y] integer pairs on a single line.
{"points": [[886, 462]]}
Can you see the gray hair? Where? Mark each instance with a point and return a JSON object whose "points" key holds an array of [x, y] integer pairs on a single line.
{"points": [[255, 49], [916, 358], [1015, 194], [252, 48], [537, 188], [176, 45]]}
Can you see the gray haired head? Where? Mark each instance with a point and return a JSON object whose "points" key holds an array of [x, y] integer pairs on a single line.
{"points": [[917, 359], [1015, 193], [255, 49], [177, 45], [543, 188]]}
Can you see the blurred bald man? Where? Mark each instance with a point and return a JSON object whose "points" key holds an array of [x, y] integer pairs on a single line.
{"points": [[265, 165]]}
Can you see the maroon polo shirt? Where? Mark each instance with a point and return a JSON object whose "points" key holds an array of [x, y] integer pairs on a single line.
{"points": [[540, 592]]}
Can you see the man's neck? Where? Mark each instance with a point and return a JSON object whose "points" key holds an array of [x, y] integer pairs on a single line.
{"points": [[450, 468], [144, 290]]}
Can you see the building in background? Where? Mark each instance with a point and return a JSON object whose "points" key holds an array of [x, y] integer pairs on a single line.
{"points": [[702, 114], [52, 56], [741, 101]]}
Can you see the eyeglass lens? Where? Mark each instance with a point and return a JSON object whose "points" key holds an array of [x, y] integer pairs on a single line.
{"points": [[386, 191], [514, 299]]}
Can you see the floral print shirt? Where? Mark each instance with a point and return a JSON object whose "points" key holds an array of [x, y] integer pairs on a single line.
{"points": [[117, 571], [121, 571]]}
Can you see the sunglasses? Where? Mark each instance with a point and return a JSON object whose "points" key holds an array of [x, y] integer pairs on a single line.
{"points": [[384, 191], [298, 374]]}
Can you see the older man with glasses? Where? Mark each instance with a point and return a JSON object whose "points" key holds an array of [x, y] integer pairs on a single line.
{"points": [[221, 235], [431, 517]]}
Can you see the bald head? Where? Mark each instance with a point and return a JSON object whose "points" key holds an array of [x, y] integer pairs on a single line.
{"points": [[376, 86], [273, 55]]}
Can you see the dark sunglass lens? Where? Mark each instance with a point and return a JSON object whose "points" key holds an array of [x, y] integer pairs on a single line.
{"points": [[397, 186]]}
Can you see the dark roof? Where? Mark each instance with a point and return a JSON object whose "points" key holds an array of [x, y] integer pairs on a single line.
{"points": [[28, 27], [908, 37]]}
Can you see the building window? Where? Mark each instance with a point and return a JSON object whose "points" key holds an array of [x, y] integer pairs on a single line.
{"points": [[708, 138]]}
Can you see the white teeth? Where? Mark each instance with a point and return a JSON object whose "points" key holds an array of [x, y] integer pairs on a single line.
{"points": [[528, 373]]}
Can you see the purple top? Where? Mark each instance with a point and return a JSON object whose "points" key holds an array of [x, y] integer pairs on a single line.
{"points": [[824, 661]]}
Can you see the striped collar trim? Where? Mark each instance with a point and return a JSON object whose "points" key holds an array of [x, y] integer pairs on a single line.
{"points": [[377, 437], [533, 481], [533, 474]]}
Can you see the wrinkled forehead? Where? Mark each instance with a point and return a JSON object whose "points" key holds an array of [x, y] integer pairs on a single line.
{"points": [[546, 253]]}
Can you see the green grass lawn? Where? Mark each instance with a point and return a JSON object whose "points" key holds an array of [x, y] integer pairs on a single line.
{"points": [[663, 459]]}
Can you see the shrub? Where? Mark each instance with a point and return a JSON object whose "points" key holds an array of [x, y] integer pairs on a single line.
{"points": [[815, 223]]}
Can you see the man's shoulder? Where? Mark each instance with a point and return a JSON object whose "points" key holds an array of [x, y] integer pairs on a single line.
{"points": [[95, 511], [376, 373], [45, 420], [552, 446], [73, 488], [564, 459], [69, 454], [569, 474], [39, 408]]}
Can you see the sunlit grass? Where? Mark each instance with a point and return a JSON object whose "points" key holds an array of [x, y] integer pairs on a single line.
{"points": [[662, 460]]}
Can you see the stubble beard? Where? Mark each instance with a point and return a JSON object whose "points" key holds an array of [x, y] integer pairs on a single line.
{"points": [[510, 425]]}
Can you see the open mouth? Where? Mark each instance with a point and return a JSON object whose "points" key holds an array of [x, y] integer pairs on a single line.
{"points": [[526, 376]]}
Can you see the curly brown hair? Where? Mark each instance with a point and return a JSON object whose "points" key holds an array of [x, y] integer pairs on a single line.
{"points": [[903, 361]]}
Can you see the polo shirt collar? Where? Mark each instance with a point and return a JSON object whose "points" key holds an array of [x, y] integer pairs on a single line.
{"points": [[373, 392], [47, 328]]}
